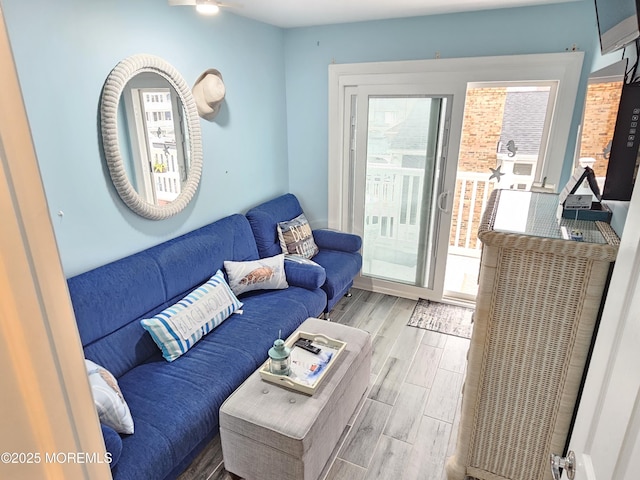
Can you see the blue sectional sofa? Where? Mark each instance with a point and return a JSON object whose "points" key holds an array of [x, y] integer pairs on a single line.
{"points": [[175, 405], [339, 252]]}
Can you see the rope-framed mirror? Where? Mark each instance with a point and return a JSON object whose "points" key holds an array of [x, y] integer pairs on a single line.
{"points": [[151, 136]]}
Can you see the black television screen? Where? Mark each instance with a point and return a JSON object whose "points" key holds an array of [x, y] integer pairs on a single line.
{"points": [[623, 157], [617, 23]]}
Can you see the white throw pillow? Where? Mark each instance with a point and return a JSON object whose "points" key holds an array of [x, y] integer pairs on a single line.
{"points": [[264, 274], [111, 405]]}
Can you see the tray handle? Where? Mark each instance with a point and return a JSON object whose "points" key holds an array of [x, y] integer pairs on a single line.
{"points": [[322, 338], [287, 381]]}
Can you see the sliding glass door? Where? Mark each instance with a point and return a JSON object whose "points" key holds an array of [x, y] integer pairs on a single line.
{"points": [[395, 144], [397, 155]]}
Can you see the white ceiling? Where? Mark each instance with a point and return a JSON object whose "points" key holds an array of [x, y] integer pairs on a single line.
{"points": [[304, 13]]}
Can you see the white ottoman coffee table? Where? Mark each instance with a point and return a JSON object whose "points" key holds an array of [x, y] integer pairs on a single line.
{"points": [[272, 433]]}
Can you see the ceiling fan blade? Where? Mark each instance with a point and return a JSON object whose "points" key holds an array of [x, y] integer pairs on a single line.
{"points": [[177, 3]]}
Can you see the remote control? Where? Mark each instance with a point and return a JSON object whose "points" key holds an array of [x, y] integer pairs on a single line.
{"points": [[306, 345]]}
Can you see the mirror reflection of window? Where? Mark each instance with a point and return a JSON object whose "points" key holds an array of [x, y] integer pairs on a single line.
{"points": [[527, 111], [157, 165], [599, 119]]}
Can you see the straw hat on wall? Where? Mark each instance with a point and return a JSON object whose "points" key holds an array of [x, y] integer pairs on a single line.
{"points": [[208, 93]]}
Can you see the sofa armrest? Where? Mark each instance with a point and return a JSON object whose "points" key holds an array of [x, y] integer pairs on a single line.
{"points": [[112, 443], [304, 273], [336, 240]]}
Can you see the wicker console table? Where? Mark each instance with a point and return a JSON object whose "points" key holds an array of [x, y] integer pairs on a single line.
{"points": [[538, 303]]}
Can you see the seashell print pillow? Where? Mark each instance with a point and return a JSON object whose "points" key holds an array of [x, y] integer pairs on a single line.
{"points": [[264, 274], [112, 408]]}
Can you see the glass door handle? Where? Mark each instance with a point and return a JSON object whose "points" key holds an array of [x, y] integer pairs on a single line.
{"points": [[442, 202], [567, 463]]}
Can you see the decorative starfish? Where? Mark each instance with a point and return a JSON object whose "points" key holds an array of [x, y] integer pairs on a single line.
{"points": [[496, 173]]}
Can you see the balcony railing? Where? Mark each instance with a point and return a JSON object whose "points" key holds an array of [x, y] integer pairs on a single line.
{"points": [[471, 194], [393, 195]]}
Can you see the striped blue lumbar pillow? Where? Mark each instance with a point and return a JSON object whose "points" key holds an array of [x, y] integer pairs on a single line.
{"points": [[177, 328]]}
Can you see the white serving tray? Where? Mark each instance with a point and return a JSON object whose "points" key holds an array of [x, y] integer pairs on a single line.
{"points": [[300, 357]]}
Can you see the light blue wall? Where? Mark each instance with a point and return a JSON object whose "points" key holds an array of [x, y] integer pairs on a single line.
{"points": [[309, 51], [271, 135], [64, 51]]}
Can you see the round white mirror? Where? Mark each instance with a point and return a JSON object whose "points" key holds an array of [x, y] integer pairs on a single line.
{"points": [[151, 136]]}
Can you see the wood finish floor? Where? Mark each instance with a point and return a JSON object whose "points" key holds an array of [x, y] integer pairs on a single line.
{"points": [[406, 427]]}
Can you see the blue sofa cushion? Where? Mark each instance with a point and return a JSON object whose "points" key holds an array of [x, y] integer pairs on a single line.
{"points": [[304, 273], [264, 220], [175, 405], [338, 253], [334, 240], [110, 300], [343, 267], [112, 443]]}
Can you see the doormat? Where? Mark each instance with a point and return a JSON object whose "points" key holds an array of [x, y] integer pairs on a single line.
{"points": [[443, 318]]}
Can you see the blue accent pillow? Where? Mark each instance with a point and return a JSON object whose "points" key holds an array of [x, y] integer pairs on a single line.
{"points": [[177, 328]]}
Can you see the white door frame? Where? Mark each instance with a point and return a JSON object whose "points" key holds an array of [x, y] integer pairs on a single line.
{"points": [[447, 77], [607, 427], [46, 397]]}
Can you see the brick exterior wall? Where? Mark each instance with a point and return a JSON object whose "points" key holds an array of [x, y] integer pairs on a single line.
{"points": [[483, 113], [600, 111]]}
